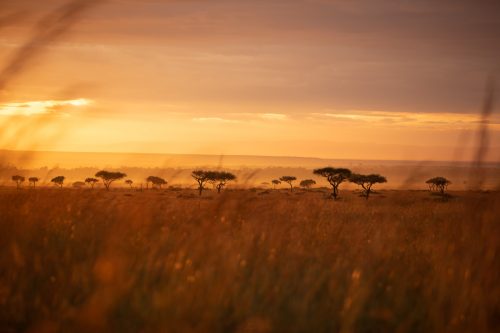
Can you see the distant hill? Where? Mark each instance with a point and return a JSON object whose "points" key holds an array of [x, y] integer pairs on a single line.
{"points": [[37, 159]]}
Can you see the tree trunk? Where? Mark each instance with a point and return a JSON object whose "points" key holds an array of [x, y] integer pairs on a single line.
{"points": [[334, 193]]}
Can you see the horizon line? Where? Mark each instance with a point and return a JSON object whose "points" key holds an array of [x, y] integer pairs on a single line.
{"points": [[251, 156]]}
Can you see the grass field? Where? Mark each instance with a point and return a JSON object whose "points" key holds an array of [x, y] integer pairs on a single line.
{"points": [[248, 261]]}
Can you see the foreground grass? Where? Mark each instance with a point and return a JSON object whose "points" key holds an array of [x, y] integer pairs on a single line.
{"points": [[166, 261]]}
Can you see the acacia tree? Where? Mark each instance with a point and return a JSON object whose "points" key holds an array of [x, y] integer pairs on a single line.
{"points": [[307, 183], [33, 181], [91, 181], [366, 182], [78, 185], [201, 177], [109, 177], [439, 184], [156, 181], [335, 177], [221, 178], [59, 181], [19, 180], [289, 180], [275, 182], [129, 182]]}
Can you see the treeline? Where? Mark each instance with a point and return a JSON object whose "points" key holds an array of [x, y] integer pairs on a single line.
{"points": [[219, 179]]}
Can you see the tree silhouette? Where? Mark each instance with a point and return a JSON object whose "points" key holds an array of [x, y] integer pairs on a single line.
{"points": [[59, 181], [33, 180], [201, 177], [307, 183], [335, 177], [366, 182], [78, 185], [156, 181], [19, 180], [91, 181], [289, 180], [221, 178], [109, 177], [275, 182], [129, 182], [439, 184]]}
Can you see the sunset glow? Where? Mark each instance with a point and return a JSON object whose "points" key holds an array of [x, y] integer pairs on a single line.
{"points": [[40, 107], [262, 166], [300, 78]]}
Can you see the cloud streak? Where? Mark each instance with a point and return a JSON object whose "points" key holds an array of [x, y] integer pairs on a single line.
{"points": [[404, 118], [41, 107]]}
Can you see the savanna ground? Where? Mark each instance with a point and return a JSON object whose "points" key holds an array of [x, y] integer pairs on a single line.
{"points": [[248, 261]]}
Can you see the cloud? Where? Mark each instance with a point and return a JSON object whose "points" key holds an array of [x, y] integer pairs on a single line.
{"points": [[214, 120], [404, 118], [274, 116], [41, 107]]}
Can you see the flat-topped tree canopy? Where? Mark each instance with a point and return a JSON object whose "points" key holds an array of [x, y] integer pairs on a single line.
{"points": [[367, 181], [438, 183], [156, 181], [335, 177], [201, 177], [18, 179], [91, 181], [33, 180], [59, 180], [289, 180], [78, 184], [275, 182], [307, 183], [220, 178], [108, 177], [333, 173]]}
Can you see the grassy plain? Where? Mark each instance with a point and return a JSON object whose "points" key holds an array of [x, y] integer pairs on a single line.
{"points": [[248, 261]]}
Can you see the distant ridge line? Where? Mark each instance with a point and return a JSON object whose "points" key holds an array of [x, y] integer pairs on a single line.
{"points": [[259, 157]]}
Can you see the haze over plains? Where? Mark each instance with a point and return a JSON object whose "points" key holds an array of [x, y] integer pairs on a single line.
{"points": [[387, 80]]}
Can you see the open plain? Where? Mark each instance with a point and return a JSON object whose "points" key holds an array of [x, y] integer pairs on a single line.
{"points": [[249, 260]]}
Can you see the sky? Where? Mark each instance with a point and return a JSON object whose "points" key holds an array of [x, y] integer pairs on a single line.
{"points": [[378, 79]]}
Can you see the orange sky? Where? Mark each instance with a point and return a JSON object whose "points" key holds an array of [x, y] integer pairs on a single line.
{"points": [[380, 79]]}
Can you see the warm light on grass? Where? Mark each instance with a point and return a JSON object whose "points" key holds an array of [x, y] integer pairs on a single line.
{"points": [[248, 261]]}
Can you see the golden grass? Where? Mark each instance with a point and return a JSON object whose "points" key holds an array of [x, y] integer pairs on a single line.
{"points": [[248, 261]]}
